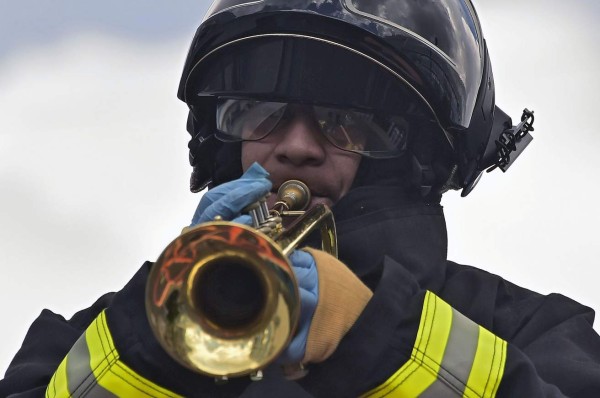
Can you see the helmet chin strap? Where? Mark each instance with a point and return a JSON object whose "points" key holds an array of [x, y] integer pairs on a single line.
{"points": [[422, 177]]}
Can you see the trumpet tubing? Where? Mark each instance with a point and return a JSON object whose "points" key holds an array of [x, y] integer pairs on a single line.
{"points": [[222, 298]]}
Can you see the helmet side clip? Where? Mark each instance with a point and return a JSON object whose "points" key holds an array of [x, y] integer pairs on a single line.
{"points": [[513, 141]]}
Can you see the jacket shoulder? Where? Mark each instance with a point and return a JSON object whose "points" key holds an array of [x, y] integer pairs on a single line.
{"points": [[505, 307]]}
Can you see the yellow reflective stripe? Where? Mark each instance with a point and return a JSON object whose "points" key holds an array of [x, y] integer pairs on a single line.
{"points": [[452, 356], [422, 369], [103, 355], [100, 371], [488, 366], [58, 383], [111, 373]]}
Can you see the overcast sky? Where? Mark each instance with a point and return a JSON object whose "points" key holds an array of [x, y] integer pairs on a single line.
{"points": [[93, 156]]}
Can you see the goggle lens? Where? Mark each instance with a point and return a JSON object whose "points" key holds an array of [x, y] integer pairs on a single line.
{"points": [[369, 134]]}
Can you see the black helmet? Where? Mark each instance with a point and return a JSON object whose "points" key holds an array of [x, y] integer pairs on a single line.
{"points": [[425, 61]]}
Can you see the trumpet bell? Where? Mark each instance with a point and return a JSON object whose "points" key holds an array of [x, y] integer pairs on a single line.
{"points": [[222, 299]]}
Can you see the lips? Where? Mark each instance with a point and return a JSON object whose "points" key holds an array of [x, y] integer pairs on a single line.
{"points": [[316, 199]]}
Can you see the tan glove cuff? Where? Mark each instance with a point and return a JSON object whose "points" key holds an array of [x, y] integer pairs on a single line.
{"points": [[342, 298]]}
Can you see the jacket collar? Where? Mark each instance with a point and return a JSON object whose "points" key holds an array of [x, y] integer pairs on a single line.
{"points": [[373, 222]]}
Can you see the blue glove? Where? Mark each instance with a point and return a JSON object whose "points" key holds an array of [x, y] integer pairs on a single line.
{"points": [[227, 200], [305, 270]]}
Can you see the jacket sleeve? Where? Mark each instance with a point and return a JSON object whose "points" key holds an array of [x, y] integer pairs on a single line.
{"points": [[110, 353], [47, 342], [410, 342]]}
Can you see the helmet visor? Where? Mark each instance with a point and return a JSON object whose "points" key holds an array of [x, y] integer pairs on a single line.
{"points": [[437, 44], [255, 80], [376, 135]]}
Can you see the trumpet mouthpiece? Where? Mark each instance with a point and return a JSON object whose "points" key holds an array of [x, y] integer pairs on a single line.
{"points": [[295, 194]]}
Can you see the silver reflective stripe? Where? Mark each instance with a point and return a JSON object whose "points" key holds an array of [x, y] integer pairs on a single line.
{"points": [[461, 348], [80, 377], [458, 358]]}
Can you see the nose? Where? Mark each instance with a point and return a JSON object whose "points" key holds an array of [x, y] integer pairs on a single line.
{"points": [[301, 143]]}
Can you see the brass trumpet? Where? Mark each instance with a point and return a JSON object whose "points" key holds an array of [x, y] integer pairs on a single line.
{"points": [[222, 298]]}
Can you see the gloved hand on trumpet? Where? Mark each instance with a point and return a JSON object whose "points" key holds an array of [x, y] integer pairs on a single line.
{"points": [[331, 296]]}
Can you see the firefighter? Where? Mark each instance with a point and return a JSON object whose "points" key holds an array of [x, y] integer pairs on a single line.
{"points": [[380, 107]]}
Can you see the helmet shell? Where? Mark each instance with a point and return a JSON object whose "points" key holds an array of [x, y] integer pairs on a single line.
{"points": [[433, 49]]}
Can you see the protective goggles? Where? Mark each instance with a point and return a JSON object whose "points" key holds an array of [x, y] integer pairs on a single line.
{"points": [[367, 133]]}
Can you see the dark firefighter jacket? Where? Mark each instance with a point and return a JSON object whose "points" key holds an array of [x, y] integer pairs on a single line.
{"points": [[433, 328]]}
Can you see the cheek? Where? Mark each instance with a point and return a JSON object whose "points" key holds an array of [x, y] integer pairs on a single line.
{"points": [[346, 166], [253, 151]]}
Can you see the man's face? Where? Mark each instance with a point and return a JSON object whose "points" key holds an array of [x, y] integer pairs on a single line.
{"points": [[296, 149]]}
